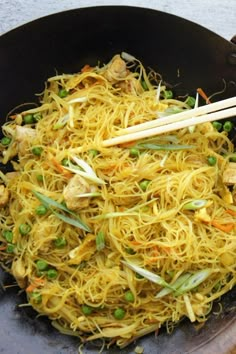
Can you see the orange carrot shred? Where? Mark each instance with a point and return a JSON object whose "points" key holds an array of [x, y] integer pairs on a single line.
{"points": [[2, 248], [223, 227], [231, 212], [203, 95]]}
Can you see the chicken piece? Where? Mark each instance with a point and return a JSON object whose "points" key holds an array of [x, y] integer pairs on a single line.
{"points": [[84, 251], [24, 136], [19, 272], [116, 70], [76, 186], [4, 195], [229, 175]]}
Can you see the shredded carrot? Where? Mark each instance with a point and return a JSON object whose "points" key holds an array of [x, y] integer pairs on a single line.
{"points": [[31, 288], [231, 212], [223, 227], [35, 283], [86, 68], [135, 243], [2, 248], [203, 95], [128, 144], [60, 168]]}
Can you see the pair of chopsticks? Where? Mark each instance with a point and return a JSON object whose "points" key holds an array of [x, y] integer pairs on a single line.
{"points": [[208, 113]]}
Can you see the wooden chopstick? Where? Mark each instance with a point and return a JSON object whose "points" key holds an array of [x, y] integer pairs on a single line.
{"points": [[175, 122]]}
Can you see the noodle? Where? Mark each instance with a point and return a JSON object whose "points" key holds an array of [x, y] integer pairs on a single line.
{"points": [[99, 237]]}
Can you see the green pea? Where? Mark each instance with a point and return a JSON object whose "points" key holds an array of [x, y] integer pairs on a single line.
{"points": [[41, 265], [217, 125], [10, 248], [5, 140], [119, 313], [60, 242], [129, 296], [24, 229], [28, 119], [37, 150], [190, 101], [129, 250], [211, 160], [41, 209], [39, 178], [168, 94], [36, 297], [52, 273], [8, 235], [144, 184], [133, 152], [65, 162], [87, 310], [93, 152], [228, 126], [63, 93]]}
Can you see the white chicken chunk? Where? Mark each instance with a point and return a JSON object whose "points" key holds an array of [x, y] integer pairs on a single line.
{"points": [[24, 136], [77, 186], [229, 175], [4, 195], [116, 70]]}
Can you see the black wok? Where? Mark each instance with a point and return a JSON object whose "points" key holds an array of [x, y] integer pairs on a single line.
{"points": [[188, 56]]}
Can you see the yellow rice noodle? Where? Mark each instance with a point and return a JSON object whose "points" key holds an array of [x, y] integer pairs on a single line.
{"points": [[133, 206]]}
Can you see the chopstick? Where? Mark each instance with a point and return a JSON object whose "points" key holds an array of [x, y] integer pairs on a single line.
{"points": [[207, 113]]}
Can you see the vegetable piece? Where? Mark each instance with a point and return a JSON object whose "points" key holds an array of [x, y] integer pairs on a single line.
{"points": [[144, 85], [129, 296], [228, 126], [60, 242], [24, 229], [168, 94], [148, 275], [49, 203], [39, 178], [62, 93], [195, 280], [6, 140], [93, 152], [100, 241], [87, 310], [41, 265], [190, 101], [10, 248], [36, 297], [144, 184], [41, 210], [179, 281], [37, 150], [119, 314], [37, 116], [52, 273], [217, 125], [133, 152], [203, 95], [223, 227], [28, 119], [195, 204], [8, 235], [211, 160], [165, 147], [83, 169]]}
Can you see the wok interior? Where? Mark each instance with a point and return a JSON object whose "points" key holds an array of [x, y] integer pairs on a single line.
{"points": [[187, 55]]}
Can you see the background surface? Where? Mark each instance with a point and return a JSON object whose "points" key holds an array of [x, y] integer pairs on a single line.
{"points": [[216, 15]]}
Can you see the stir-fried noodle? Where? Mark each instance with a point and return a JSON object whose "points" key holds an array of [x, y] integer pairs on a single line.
{"points": [[114, 242]]}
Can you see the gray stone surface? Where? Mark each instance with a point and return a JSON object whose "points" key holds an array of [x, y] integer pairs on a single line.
{"points": [[217, 15]]}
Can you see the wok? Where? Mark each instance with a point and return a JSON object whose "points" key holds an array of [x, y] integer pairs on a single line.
{"points": [[188, 56]]}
